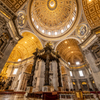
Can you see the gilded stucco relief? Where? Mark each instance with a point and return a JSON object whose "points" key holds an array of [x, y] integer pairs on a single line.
{"points": [[92, 12]]}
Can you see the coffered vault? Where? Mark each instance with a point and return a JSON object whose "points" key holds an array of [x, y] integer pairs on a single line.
{"points": [[92, 12], [25, 47], [70, 51]]}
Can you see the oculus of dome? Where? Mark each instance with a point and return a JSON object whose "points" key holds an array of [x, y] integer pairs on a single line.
{"points": [[52, 4]]}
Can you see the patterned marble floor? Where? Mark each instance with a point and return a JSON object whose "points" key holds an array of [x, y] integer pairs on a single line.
{"points": [[15, 97]]}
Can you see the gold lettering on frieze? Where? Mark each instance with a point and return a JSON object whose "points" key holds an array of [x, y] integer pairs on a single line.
{"points": [[4, 14]]}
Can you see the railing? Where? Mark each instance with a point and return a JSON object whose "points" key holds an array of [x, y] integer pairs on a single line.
{"points": [[91, 95], [84, 96], [67, 96], [88, 97]]}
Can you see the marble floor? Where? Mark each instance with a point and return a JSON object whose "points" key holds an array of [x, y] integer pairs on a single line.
{"points": [[16, 97]]}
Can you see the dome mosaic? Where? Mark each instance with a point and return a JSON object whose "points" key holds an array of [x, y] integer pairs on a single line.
{"points": [[53, 17]]}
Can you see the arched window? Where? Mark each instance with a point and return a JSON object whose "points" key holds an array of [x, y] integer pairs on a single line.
{"points": [[71, 74], [81, 73], [15, 71]]}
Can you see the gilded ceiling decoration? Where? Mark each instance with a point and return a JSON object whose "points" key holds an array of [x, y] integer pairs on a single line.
{"points": [[53, 17], [92, 12], [3, 73], [25, 47], [78, 67], [63, 70], [21, 19], [82, 31], [14, 5], [98, 32], [29, 68], [70, 52]]}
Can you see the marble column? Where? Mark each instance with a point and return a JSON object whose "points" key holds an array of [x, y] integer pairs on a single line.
{"points": [[88, 74], [78, 84], [55, 78], [6, 53], [47, 71], [70, 83], [18, 79], [59, 74], [42, 75], [65, 79], [38, 75], [95, 70]]}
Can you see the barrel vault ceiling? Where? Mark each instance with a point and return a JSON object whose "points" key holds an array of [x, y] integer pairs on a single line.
{"points": [[25, 47], [70, 51]]}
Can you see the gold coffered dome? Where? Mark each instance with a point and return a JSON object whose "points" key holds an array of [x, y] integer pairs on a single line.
{"points": [[53, 17]]}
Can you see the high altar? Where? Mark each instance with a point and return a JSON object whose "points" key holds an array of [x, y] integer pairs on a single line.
{"points": [[49, 71]]}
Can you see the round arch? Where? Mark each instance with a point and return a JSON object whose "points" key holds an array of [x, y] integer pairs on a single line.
{"points": [[25, 47], [31, 33], [70, 51], [67, 39]]}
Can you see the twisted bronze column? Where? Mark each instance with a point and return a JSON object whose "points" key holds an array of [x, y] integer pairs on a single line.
{"points": [[47, 70], [30, 80], [59, 74]]}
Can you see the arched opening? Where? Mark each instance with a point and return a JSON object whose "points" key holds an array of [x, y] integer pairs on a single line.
{"points": [[23, 50], [85, 86], [25, 47], [70, 52]]}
